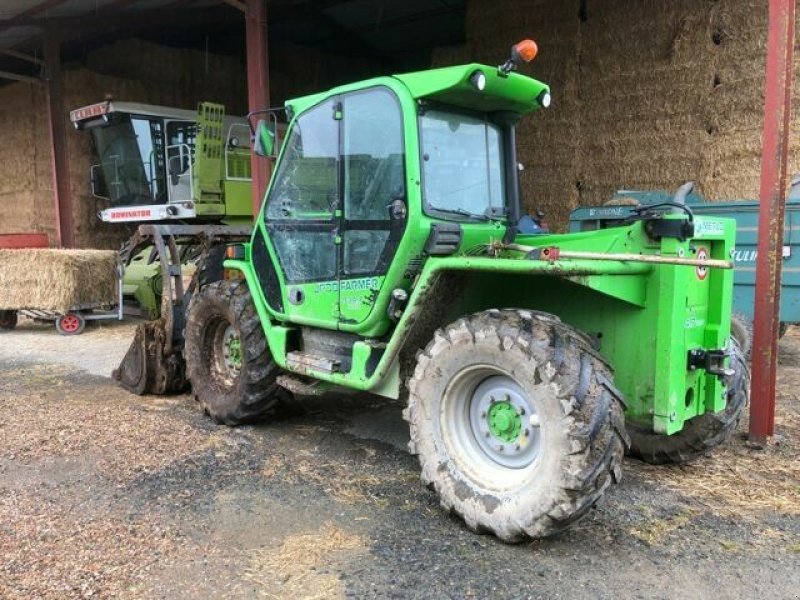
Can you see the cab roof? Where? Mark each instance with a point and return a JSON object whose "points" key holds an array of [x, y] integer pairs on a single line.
{"points": [[451, 85]]}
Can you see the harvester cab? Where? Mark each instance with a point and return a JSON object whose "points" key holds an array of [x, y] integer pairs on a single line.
{"points": [[387, 258], [158, 163]]}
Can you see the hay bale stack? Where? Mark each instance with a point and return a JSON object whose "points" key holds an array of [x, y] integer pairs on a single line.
{"points": [[49, 279], [646, 95], [549, 143]]}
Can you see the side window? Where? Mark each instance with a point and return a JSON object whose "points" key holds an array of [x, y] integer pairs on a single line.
{"points": [[304, 196], [372, 155], [180, 140], [306, 185]]}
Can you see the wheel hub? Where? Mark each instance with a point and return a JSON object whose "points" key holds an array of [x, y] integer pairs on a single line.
{"points": [[232, 350], [504, 422]]}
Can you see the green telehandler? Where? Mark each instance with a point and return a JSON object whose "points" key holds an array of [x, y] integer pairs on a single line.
{"points": [[390, 257]]}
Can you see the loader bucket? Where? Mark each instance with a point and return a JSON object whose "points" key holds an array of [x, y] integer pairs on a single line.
{"points": [[146, 368]]}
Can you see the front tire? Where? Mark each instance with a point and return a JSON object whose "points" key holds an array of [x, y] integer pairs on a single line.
{"points": [[516, 422], [228, 360], [701, 434]]}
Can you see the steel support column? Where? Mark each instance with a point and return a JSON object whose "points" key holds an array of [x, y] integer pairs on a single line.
{"points": [[777, 116], [62, 195], [257, 85]]}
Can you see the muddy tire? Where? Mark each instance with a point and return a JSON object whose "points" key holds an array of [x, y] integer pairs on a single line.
{"points": [[227, 358], [516, 423], [700, 435], [742, 332]]}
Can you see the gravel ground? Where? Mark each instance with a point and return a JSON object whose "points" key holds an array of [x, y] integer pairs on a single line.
{"points": [[104, 494]]}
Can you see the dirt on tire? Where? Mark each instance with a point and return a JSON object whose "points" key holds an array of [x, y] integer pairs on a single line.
{"points": [[583, 437], [228, 397]]}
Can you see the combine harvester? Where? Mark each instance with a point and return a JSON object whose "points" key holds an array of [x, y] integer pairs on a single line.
{"points": [[163, 165], [387, 259]]}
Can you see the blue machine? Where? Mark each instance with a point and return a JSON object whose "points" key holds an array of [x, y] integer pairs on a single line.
{"points": [[746, 214]]}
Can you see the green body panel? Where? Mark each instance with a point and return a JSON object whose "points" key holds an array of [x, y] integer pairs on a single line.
{"points": [[221, 185], [238, 199], [645, 317], [142, 282], [208, 172], [450, 85]]}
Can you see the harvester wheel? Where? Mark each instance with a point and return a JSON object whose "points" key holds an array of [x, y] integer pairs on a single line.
{"points": [[8, 319], [742, 332], [228, 361], [516, 422], [701, 434]]}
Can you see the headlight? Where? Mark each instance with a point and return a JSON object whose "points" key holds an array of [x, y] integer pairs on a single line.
{"points": [[478, 80], [544, 99]]}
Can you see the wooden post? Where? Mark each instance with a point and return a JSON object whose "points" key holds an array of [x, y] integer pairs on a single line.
{"points": [[257, 86], [62, 194]]}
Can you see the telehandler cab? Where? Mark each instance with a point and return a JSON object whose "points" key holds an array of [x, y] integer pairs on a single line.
{"points": [[387, 259]]}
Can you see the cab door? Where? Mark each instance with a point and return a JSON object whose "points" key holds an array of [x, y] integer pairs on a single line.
{"points": [[299, 271], [374, 199]]}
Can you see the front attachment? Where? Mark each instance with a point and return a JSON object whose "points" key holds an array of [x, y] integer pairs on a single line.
{"points": [[146, 367]]}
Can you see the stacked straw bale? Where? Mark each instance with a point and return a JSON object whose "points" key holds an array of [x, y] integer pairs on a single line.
{"points": [[549, 143], [129, 70], [647, 94], [50, 279]]}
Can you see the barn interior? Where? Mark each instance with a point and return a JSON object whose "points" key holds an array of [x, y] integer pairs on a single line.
{"points": [[646, 95]]}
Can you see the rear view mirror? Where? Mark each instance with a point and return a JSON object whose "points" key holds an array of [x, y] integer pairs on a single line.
{"points": [[264, 142]]}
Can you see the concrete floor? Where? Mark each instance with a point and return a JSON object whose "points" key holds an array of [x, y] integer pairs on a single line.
{"points": [[105, 494]]}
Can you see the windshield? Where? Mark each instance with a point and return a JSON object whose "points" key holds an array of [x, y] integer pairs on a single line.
{"points": [[131, 166], [462, 164]]}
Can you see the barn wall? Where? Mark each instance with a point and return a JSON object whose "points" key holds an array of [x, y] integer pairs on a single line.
{"points": [[134, 71], [646, 94], [129, 70]]}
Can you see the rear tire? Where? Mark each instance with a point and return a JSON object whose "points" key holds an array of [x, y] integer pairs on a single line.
{"points": [[742, 332], [228, 361], [541, 460], [700, 435]]}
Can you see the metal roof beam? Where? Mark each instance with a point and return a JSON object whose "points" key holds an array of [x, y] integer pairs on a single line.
{"points": [[21, 56], [237, 4], [18, 77], [21, 18], [103, 21]]}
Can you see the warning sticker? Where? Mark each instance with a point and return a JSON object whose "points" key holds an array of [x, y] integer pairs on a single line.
{"points": [[702, 272]]}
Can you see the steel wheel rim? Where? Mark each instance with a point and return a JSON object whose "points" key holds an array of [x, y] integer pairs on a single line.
{"points": [[70, 323], [497, 461], [232, 350], [217, 339]]}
